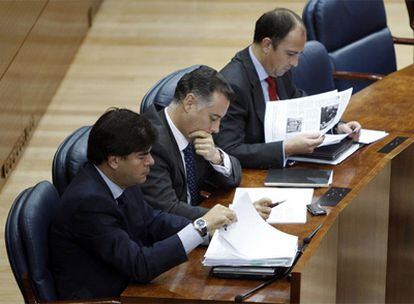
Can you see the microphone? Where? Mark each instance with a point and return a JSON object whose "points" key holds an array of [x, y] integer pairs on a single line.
{"points": [[240, 297]]}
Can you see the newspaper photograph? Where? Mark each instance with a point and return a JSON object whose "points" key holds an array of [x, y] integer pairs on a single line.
{"points": [[316, 113]]}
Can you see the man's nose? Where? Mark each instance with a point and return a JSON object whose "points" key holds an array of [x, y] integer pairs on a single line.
{"points": [[295, 61], [215, 127], [150, 160]]}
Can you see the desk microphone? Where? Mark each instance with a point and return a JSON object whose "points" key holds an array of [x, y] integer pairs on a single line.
{"points": [[240, 297]]}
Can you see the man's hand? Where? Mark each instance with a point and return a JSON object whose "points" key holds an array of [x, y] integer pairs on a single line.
{"points": [[353, 128], [217, 217], [302, 143], [204, 145], [263, 207]]}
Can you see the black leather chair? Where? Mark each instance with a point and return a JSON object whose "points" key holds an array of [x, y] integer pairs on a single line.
{"points": [[162, 92], [27, 232], [70, 155], [356, 36], [410, 10], [314, 73]]}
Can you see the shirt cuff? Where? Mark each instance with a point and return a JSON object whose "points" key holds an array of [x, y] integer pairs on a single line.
{"points": [[284, 159], [226, 168], [190, 238]]}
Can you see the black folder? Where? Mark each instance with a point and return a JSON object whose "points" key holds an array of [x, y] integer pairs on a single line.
{"points": [[291, 177], [247, 272], [330, 152]]}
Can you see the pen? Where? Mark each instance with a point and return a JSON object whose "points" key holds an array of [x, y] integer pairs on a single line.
{"points": [[277, 203]]}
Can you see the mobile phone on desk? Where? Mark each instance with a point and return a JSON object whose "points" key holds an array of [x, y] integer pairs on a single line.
{"points": [[316, 209]]}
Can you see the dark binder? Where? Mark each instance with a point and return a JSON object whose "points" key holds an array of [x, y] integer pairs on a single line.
{"points": [[246, 272], [330, 152], [290, 177]]}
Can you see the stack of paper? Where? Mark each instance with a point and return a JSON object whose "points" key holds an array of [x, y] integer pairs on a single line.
{"points": [[291, 211], [250, 241]]}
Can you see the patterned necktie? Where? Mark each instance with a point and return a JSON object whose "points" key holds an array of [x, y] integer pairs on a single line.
{"points": [[191, 175], [272, 88]]}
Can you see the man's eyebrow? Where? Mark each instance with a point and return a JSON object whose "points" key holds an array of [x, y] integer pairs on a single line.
{"points": [[144, 152], [294, 52], [215, 115]]}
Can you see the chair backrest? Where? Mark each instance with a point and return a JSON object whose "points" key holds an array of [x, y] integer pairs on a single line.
{"points": [[355, 34], [410, 10], [162, 92], [27, 232], [69, 157], [314, 73]]}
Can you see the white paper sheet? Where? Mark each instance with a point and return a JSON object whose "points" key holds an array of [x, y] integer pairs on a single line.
{"points": [[293, 210]]}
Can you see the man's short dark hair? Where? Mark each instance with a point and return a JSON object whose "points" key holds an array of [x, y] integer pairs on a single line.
{"points": [[119, 132], [276, 25], [203, 82]]}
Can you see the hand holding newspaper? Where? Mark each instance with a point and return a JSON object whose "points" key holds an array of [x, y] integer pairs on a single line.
{"points": [[316, 113]]}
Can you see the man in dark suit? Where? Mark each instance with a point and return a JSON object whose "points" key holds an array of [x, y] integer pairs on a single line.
{"points": [[105, 235], [258, 74], [200, 102]]}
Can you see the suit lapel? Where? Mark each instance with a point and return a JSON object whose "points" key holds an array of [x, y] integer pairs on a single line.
{"points": [[258, 98], [281, 90], [169, 140]]}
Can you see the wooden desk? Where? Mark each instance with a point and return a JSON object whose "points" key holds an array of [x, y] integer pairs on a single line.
{"points": [[363, 252]]}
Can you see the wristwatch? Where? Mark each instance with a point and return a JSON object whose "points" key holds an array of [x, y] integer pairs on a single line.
{"points": [[200, 225]]}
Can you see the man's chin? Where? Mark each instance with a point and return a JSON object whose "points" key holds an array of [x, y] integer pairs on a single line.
{"points": [[282, 72]]}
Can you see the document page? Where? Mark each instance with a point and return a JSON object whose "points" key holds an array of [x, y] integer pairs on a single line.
{"points": [[239, 244], [292, 210], [316, 113], [369, 136]]}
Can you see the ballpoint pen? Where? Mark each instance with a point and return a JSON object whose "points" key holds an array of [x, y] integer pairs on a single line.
{"points": [[277, 203]]}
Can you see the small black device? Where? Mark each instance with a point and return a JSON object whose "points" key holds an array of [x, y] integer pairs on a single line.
{"points": [[316, 209], [333, 196]]}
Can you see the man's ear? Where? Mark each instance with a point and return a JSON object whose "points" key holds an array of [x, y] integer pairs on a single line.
{"points": [[113, 162], [189, 102], [266, 45]]}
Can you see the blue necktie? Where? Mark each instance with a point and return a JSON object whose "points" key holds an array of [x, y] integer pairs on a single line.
{"points": [[191, 175]]}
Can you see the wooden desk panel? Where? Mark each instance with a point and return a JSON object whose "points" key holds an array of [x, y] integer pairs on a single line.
{"points": [[387, 104]]}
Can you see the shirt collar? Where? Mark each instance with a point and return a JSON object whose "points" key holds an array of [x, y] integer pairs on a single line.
{"points": [[115, 189], [261, 72], [182, 142]]}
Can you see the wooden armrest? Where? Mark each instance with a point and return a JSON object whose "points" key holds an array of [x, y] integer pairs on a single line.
{"points": [[357, 76], [407, 41]]}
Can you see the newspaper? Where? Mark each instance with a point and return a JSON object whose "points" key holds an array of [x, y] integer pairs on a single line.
{"points": [[316, 113]]}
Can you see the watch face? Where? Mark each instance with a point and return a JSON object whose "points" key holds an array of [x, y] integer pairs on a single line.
{"points": [[201, 223]]}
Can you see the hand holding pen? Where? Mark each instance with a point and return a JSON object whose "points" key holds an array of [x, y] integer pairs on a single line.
{"points": [[277, 203]]}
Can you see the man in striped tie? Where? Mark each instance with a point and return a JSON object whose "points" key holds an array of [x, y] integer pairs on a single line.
{"points": [[187, 160]]}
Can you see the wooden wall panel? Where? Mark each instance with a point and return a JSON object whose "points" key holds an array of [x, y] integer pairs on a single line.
{"points": [[12, 33], [36, 70]]}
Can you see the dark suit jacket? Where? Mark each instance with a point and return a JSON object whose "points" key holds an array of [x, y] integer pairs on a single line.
{"points": [[166, 185], [242, 129], [97, 247]]}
